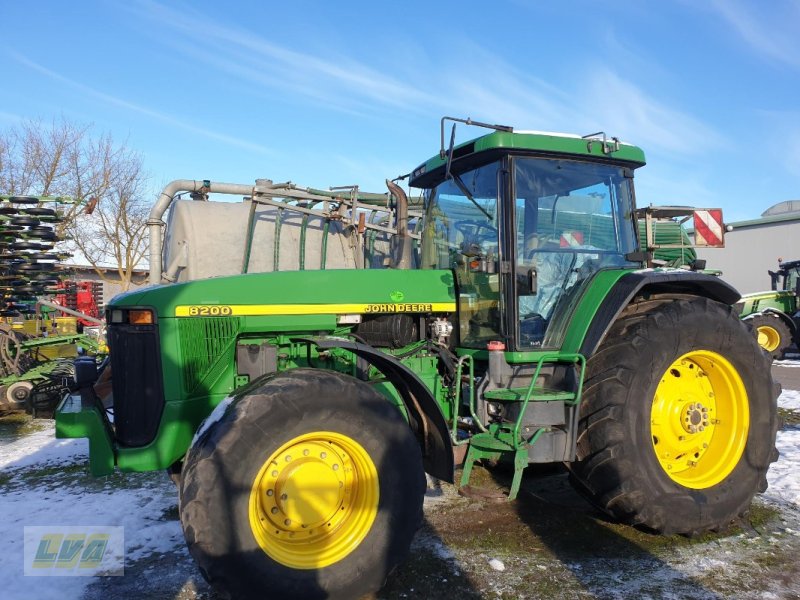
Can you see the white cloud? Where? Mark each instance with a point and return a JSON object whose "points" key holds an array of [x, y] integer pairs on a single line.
{"points": [[623, 107], [768, 28], [467, 80], [335, 79], [148, 112]]}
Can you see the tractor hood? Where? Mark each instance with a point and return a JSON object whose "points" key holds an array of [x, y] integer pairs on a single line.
{"points": [[300, 292]]}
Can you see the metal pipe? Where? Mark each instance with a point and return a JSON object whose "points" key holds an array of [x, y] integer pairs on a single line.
{"points": [[155, 222], [69, 311], [402, 259]]}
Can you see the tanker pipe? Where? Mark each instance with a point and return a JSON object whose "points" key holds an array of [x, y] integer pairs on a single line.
{"points": [[155, 222], [402, 254], [69, 311]]}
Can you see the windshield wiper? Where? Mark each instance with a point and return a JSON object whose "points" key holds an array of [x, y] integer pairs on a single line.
{"points": [[457, 178], [462, 186]]}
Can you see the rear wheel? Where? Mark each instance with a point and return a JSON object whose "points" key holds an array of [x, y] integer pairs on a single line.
{"points": [[309, 486], [772, 333], [679, 418]]}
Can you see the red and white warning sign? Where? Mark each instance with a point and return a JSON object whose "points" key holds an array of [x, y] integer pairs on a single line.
{"points": [[708, 227], [571, 239]]}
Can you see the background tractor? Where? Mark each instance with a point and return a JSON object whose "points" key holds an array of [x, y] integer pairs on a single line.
{"points": [[775, 315], [300, 408]]}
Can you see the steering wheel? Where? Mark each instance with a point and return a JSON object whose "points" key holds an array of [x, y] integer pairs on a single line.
{"points": [[473, 229], [476, 234]]}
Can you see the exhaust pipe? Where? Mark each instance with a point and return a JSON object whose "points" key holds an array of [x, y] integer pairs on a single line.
{"points": [[402, 249]]}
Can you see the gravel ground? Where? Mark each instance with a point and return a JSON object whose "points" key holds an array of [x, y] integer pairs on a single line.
{"points": [[547, 543]]}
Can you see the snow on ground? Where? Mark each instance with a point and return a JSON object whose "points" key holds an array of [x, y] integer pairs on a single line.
{"points": [[41, 448], [45, 483], [784, 476], [790, 400], [790, 360]]}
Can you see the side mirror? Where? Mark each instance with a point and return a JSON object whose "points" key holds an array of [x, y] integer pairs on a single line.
{"points": [[85, 371], [698, 264]]}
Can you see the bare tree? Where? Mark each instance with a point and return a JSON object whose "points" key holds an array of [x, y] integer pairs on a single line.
{"points": [[65, 159], [114, 233]]}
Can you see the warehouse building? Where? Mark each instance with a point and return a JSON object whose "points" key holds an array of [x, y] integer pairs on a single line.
{"points": [[754, 247]]}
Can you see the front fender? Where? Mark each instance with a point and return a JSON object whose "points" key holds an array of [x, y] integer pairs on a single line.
{"points": [[425, 415], [774, 312]]}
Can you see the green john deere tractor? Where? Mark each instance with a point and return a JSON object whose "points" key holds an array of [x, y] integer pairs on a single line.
{"points": [[775, 315], [300, 410]]}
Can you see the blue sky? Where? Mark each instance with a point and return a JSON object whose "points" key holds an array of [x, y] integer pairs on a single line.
{"points": [[337, 93]]}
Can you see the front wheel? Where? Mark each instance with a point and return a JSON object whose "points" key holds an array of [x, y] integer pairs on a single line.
{"points": [[772, 333], [679, 418], [309, 486]]}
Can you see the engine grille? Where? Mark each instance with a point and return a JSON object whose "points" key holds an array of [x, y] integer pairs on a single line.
{"points": [[203, 342], [136, 382]]}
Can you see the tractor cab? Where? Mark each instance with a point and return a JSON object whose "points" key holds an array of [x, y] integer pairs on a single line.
{"points": [[787, 277], [525, 220]]}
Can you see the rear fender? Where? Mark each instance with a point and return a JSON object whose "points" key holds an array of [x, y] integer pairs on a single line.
{"points": [[647, 282]]}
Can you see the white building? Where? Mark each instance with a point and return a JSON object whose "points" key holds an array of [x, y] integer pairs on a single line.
{"points": [[754, 247]]}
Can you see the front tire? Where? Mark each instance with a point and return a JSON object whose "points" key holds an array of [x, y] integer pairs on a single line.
{"points": [[310, 486], [679, 418], [772, 333]]}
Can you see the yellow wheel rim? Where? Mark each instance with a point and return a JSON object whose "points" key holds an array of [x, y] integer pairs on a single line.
{"points": [[768, 338], [700, 419], [314, 500]]}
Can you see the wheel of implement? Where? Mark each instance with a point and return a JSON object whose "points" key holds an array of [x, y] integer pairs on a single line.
{"points": [[678, 419], [18, 393], [772, 333], [39, 212], [309, 486], [25, 246], [24, 200], [25, 220]]}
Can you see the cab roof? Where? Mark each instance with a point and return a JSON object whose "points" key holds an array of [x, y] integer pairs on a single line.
{"points": [[530, 143]]}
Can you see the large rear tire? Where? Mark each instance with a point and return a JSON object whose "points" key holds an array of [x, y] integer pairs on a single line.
{"points": [[309, 486], [678, 419]]}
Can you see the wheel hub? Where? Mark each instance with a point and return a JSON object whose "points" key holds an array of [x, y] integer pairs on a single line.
{"points": [[768, 337], [695, 418], [699, 419], [314, 500], [307, 487]]}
